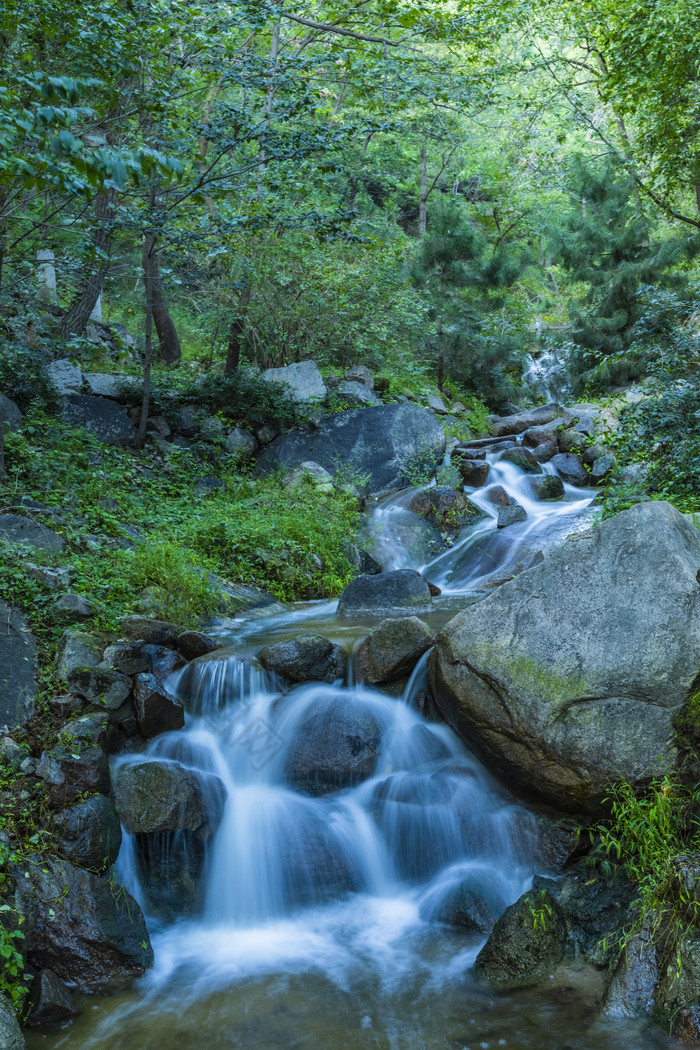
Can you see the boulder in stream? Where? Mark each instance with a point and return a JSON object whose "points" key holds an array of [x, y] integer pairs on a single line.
{"points": [[80, 926], [510, 515], [521, 421], [335, 747], [89, 833], [392, 650], [445, 508], [522, 458], [527, 943], [51, 1002], [306, 658], [393, 593], [11, 1037], [547, 487], [571, 675], [571, 469], [157, 796]]}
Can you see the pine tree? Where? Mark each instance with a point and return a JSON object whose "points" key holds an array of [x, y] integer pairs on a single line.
{"points": [[606, 243], [465, 278]]}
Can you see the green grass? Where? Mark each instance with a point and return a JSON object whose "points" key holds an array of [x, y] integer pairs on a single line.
{"points": [[294, 544]]}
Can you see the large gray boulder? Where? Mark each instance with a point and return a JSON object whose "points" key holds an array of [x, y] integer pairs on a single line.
{"points": [[103, 418], [89, 833], [18, 667], [396, 593], [303, 379], [383, 446], [77, 925], [570, 676]]}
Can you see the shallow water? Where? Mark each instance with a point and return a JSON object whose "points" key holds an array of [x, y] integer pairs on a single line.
{"points": [[315, 926]]}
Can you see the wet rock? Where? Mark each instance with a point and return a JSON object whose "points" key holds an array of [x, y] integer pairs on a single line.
{"points": [[632, 988], [497, 495], [474, 473], [571, 469], [194, 643], [526, 944], [597, 910], [105, 419], [467, 452], [11, 1037], [445, 508], [158, 796], [385, 594], [564, 694], [151, 632], [463, 904], [162, 661], [436, 404], [521, 421], [51, 1002], [78, 927], [543, 440], [156, 711], [510, 515], [522, 458], [392, 650], [547, 487], [303, 379], [10, 415], [72, 607], [335, 747], [78, 650], [581, 411], [241, 445], [79, 763], [108, 689], [306, 658], [14, 528], [89, 833], [360, 374], [18, 667], [384, 446]]}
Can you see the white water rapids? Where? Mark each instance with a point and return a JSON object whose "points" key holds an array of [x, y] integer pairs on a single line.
{"points": [[316, 925]]}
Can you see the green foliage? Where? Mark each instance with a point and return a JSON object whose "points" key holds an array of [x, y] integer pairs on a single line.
{"points": [[645, 833], [297, 543], [465, 279], [606, 245], [541, 913]]}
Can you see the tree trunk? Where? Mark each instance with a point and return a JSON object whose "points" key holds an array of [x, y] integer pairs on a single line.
{"points": [[3, 472], [423, 200], [147, 262], [237, 330], [168, 340], [697, 196], [78, 313]]}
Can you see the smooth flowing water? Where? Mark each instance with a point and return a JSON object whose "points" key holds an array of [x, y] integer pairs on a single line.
{"points": [[317, 921]]}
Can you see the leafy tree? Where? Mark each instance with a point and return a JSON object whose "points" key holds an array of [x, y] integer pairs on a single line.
{"points": [[466, 279], [606, 243]]}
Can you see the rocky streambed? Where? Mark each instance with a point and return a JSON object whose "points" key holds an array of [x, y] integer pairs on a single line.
{"points": [[355, 825]]}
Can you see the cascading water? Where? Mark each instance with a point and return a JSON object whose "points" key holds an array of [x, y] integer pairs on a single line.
{"points": [[351, 834]]}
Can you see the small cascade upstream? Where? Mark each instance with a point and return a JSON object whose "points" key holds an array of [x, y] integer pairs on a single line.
{"points": [[327, 891]]}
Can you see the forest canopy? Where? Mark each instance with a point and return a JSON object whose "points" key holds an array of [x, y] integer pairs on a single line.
{"points": [[437, 190]]}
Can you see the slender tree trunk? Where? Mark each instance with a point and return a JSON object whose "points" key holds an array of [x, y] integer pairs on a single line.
{"points": [[423, 200], [78, 313], [235, 338], [3, 472], [147, 261], [168, 339], [270, 97], [441, 357], [697, 195]]}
